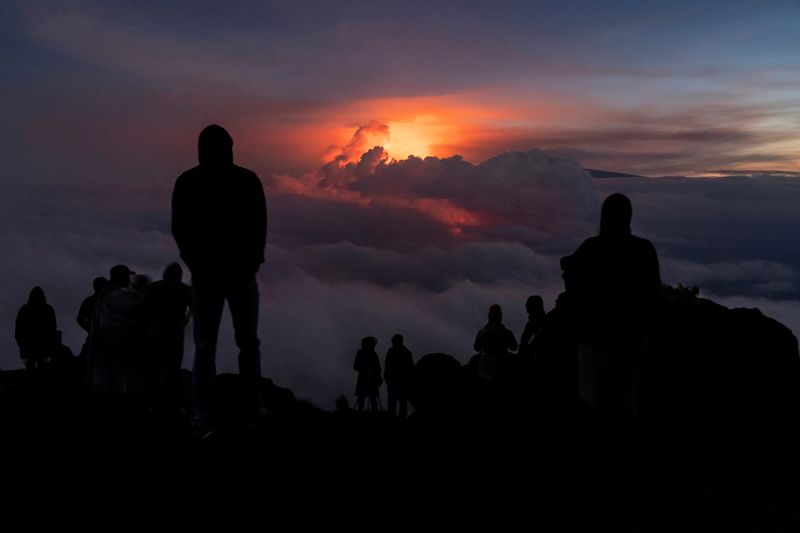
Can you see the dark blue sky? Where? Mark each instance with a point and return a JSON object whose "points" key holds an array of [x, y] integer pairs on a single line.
{"points": [[699, 85]]}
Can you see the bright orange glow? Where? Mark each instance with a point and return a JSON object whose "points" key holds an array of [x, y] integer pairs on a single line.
{"points": [[409, 138], [441, 126]]}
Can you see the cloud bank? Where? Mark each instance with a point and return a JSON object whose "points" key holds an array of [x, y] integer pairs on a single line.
{"points": [[371, 245]]}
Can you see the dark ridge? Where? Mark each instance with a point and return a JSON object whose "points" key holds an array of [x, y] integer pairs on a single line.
{"points": [[600, 174], [713, 447], [752, 172]]}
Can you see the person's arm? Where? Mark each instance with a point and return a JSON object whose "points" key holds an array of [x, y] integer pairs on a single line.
{"points": [[654, 270], [182, 221], [527, 334], [52, 326], [478, 344], [652, 286], [85, 314], [258, 221], [387, 366], [511, 341], [187, 316], [19, 326]]}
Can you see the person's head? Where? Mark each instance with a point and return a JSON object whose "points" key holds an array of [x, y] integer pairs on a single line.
{"points": [[615, 216], [397, 340], [215, 146], [562, 300], [534, 305], [173, 272], [99, 283], [36, 296], [140, 282], [495, 314], [369, 343], [120, 275]]}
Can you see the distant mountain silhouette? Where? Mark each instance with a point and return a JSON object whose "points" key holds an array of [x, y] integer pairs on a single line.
{"points": [[600, 174]]}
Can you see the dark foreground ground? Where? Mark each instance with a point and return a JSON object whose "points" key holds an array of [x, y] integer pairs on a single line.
{"points": [[73, 464]]}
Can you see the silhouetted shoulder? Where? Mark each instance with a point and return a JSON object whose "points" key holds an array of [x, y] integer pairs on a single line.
{"points": [[642, 243]]}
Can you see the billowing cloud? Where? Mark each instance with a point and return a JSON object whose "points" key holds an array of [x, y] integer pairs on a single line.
{"points": [[365, 137], [549, 191]]}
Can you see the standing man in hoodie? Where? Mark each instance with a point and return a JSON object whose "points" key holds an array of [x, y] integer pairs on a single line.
{"points": [[219, 222]]}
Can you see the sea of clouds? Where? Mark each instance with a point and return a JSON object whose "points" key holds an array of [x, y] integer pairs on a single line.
{"points": [[369, 245]]}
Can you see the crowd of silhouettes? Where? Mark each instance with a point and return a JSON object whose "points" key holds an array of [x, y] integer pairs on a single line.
{"points": [[135, 327], [134, 343], [397, 369], [612, 284]]}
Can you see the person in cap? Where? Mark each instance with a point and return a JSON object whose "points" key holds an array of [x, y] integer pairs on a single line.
{"points": [[219, 222]]}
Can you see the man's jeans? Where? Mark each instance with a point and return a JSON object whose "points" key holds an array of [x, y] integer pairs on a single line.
{"points": [[208, 300]]}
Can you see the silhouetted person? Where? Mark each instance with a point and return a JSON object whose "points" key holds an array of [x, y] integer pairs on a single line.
{"points": [[167, 305], [140, 282], [613, 282], [35, 330], [368, 367], [115, 363], [494, 342], [555, 377], [397, 370], [87, 306], [534, 305], [219, 221], [85, 314]]}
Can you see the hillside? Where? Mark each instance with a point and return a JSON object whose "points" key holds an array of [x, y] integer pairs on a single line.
{"points": [[713, 448]]}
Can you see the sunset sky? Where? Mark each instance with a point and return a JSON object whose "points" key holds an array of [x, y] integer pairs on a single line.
{"points": [[102, 103]]}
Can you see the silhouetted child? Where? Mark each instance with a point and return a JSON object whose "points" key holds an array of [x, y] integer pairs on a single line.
{"points": [[613, 283], [369, 374], [397, 373], [535, 308], [167, 307], [35, 330], [494, 342]]}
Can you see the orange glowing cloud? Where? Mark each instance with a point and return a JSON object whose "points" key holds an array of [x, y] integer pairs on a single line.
{"points": [[295, 137], [391, 130], [440, 126], [334, 180]]}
